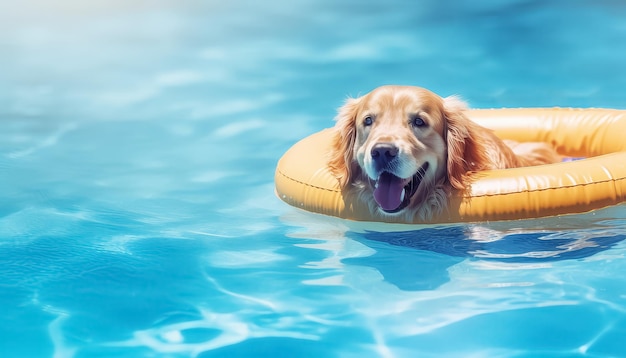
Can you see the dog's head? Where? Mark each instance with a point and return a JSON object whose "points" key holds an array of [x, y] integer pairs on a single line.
{"points": [[401, 142]]}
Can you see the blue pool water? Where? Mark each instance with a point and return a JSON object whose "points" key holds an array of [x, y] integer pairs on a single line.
{"points": [[138, 142]]}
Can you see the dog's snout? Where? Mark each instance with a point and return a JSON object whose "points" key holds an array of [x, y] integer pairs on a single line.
{"points": [[384, 150], [383, 153]]}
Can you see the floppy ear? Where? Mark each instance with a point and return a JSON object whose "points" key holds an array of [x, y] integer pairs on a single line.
{"points": [[341, 160], [467, 149]]}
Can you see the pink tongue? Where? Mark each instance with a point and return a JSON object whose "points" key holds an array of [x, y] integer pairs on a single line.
{"points": [[389, 191]]}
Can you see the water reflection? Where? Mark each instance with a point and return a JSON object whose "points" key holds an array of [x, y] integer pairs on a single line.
{"points": [[421, 259], [484, 243]]}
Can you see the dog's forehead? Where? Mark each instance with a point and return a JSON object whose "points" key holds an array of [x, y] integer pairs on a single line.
{"points": [[409, 99]]}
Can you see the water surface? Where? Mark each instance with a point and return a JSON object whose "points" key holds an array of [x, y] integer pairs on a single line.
{"points": [[138, 142]]}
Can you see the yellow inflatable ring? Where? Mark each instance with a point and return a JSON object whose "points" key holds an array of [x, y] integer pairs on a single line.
{"points": [[303, 180]]}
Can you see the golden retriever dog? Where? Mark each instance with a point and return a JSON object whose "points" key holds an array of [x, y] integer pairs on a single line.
{"points": [[402, 150]]}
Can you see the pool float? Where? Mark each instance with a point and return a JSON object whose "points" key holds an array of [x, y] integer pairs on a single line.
{"points": [[303, 179]]}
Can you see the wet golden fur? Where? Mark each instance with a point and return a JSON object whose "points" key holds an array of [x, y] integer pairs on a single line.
{"points": [[454, 146]]}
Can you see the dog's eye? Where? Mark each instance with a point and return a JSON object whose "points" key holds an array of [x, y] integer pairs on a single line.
{"points": [[367, 121], [417, 121]]}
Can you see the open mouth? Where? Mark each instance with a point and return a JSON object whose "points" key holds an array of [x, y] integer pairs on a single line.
{"points": [[393, 193]]}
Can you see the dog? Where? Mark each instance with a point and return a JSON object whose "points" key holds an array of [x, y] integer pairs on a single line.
{"points": [[403, 150]]}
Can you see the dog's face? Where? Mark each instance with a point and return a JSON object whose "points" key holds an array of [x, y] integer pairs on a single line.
{"points": [[403, 148], [399, 143]]}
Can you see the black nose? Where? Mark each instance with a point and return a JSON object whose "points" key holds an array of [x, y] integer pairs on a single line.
{"points": [[383, 153]]}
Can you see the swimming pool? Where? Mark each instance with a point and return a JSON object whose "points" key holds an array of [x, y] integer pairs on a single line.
{"points": [[137, 149]]}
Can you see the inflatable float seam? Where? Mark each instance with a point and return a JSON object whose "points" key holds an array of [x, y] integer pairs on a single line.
{"points": [[306, 184], [615, 180]]}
